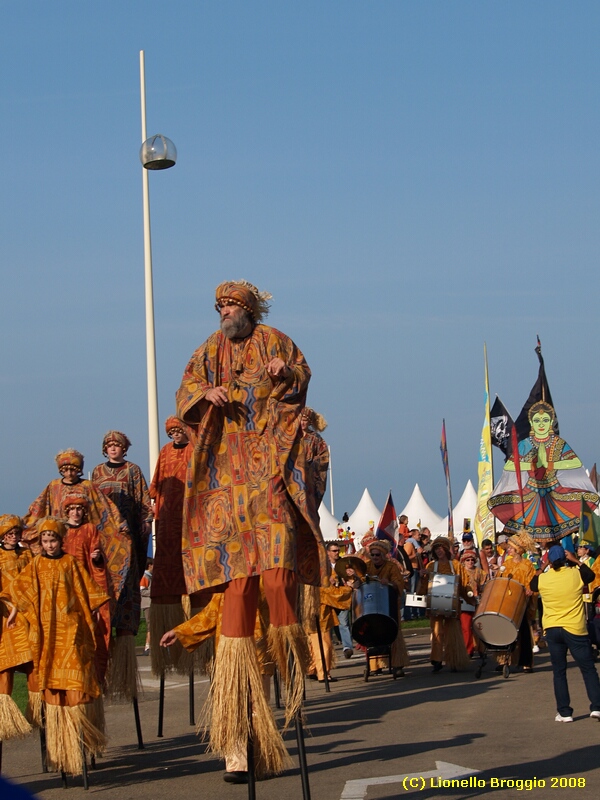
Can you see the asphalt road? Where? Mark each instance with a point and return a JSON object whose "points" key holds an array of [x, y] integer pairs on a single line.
{"points": [[365, 741]]}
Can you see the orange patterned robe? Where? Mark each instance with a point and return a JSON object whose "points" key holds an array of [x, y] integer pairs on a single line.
{"points": [[14, 642], [102, 513], [246, 507], [167, 490], [57, 597], [80, 543]]}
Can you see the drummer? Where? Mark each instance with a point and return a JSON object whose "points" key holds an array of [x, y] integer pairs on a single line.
{"points": [[520, 569], [388, 573], [476, 577], [447, 642]]}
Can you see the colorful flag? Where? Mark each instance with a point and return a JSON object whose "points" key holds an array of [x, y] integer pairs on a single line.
{"points": [[501, 425], [484, 519], [388, 524], [444, 450], [539, 391], [589, 527]]}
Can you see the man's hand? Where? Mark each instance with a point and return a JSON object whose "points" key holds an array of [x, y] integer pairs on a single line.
{"points": [[277, 368], [217, 396]]}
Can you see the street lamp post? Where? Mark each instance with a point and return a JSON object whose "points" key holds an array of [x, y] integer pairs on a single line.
{"points": [[158, 152]]}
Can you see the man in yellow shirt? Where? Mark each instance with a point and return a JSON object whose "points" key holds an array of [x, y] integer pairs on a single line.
{"points": [[561, 590]]}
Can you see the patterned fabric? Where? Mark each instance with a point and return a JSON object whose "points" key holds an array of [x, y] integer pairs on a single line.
{"points": [[80, 543], [167, 490], [317, 462], [14, 642], [102, 513], [246, 506], [71, 458], [117, 437], [551, 497], [125, 485], [58, 597]]}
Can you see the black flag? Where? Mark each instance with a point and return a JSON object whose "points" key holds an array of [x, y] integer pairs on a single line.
{"points": [[501, 426], [539, 391]]}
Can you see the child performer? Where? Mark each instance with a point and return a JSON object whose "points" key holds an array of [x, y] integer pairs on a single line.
{"points": [[15, 652], [57, 597]]}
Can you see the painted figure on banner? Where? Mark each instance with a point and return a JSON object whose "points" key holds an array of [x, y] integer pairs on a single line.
{"points": [[554, 483]]}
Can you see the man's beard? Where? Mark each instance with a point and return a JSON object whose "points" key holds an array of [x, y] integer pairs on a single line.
{"points": [[232, 328]]}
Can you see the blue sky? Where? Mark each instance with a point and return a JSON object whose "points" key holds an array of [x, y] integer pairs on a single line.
{"points": [[408, 180]]}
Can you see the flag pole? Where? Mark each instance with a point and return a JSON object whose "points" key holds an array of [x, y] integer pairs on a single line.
{"points": [[517, 463], [330, 482]]}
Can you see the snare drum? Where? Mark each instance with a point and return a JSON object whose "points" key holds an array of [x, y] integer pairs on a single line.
{"points": [[500, 612], [375, 612], [442, 595]]}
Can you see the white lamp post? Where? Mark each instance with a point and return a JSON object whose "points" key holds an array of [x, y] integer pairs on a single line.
{"points": [[158, 152]]}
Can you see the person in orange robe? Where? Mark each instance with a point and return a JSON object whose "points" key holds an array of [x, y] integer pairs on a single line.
{"points": [[168, 583], [15, 651], [82, 541], [58, 598]]}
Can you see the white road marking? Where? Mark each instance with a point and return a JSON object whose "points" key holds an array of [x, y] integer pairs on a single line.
{"points": [[357, 790]]}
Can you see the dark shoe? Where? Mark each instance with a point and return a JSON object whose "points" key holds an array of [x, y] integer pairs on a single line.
{"points": [[437, 666], [376, 671], [348, 652], [527, 669], [312, 677], [331, 679], [499, 668], [235, 777]]}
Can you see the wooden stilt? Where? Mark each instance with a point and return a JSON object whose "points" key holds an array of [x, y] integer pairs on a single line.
{"points": [[138, 724], [277, 688], [192, 700], [161, 705], [250, 755], [84, 772], [302, 756]]}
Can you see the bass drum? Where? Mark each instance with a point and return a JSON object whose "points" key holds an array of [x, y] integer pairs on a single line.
{"points": [[375, 612], [500, 612], [442, 595]]}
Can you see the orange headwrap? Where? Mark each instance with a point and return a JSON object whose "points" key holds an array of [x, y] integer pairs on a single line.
{"points": [[71, 458], [245, 295], [118, 438], [173, 423], [75, 499], [8, 522], [52, 524]]}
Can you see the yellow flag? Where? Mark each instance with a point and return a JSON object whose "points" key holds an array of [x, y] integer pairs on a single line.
{"points": [[484, 520]]}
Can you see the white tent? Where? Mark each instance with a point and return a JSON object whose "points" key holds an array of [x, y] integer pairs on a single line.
{"points": [[329, 523], [417, 509], [366, 511], [466, 507]]}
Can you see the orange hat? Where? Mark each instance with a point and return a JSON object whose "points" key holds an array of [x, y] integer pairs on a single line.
{"points": [[173, 423], [53, 524], [245, 295], [71, 458], [118, 438], [74, 499], [8, 522], [380, 544]]}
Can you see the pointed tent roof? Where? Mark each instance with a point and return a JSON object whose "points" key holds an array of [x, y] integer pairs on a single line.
{"points": [[329, 523], [466, 507], [365, 512], [417, 509]]}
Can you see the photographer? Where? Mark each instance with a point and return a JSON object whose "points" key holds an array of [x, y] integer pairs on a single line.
{"points": [[561, 589]]}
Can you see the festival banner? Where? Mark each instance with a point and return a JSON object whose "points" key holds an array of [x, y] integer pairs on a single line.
{"points": [[501, 425], [589, 527], [516, 456], [387, 527], [484, 519], [445, 462]]}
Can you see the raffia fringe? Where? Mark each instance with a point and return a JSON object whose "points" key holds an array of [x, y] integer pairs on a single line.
{"points": [[66, 729], [309, 606], [94, 714], [203, 657], [33, 712], [163, 618], [289, 647], [236, 680], [455, 652], [13, 724], [123, 678]]}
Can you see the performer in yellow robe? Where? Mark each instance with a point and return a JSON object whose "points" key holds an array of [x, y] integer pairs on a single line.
{"points": [[447, 642], [15, 652], [58, 598]]}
